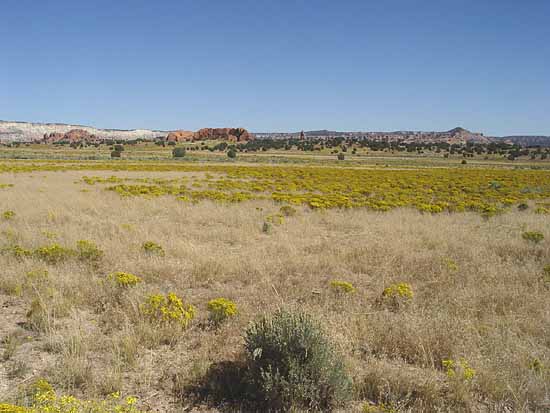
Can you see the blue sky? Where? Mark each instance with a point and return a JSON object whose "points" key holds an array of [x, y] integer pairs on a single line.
{"points": [[278, 65]]}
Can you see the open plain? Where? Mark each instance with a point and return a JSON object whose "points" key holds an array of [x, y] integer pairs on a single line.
{"points": [[86, 246]]}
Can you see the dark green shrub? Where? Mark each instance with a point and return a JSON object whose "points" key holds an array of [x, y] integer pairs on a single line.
{"points": [[523, 206], [116, 154], [178, 152], [292, 364], [232, 153], [341, 156], [119, 148]]}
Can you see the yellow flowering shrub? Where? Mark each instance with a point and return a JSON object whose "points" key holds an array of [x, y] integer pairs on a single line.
{"points": [[17, 251], [459, 369], [10, 408], [400, 290], [396, 295], [124, 279], [487, 191], [46, 400], [342, 287], [220, 309], [168, 309], [53, 253]]}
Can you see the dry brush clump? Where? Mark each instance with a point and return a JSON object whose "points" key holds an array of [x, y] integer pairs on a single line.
{"points": [[479, 297]]}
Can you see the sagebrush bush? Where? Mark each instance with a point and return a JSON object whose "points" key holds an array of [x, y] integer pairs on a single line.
{"points": [[292, 364], [533, 236], [220, 309]]}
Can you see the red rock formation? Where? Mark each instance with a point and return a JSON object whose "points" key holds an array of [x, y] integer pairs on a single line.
{"points": [[77, 135], [53, 137], [74, 135], [230, 134], [180, 136]]}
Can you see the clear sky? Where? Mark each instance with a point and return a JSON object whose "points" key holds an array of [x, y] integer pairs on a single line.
{"points": [[278, 65]]}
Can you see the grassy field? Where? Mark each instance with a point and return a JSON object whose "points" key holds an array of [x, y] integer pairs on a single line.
{"points": [[466, 248]]}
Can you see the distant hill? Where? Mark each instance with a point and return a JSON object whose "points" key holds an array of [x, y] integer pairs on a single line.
{"points": [[527, 140]]}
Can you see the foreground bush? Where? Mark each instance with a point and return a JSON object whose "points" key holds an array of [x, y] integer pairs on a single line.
{"points": [[293, 365]]}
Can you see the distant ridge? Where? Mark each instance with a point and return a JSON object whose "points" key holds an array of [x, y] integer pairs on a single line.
{"points": [[31, 131], [458, 135]]}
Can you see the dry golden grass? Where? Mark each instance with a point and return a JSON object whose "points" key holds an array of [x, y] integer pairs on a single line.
{"points": [[479, 295]]}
